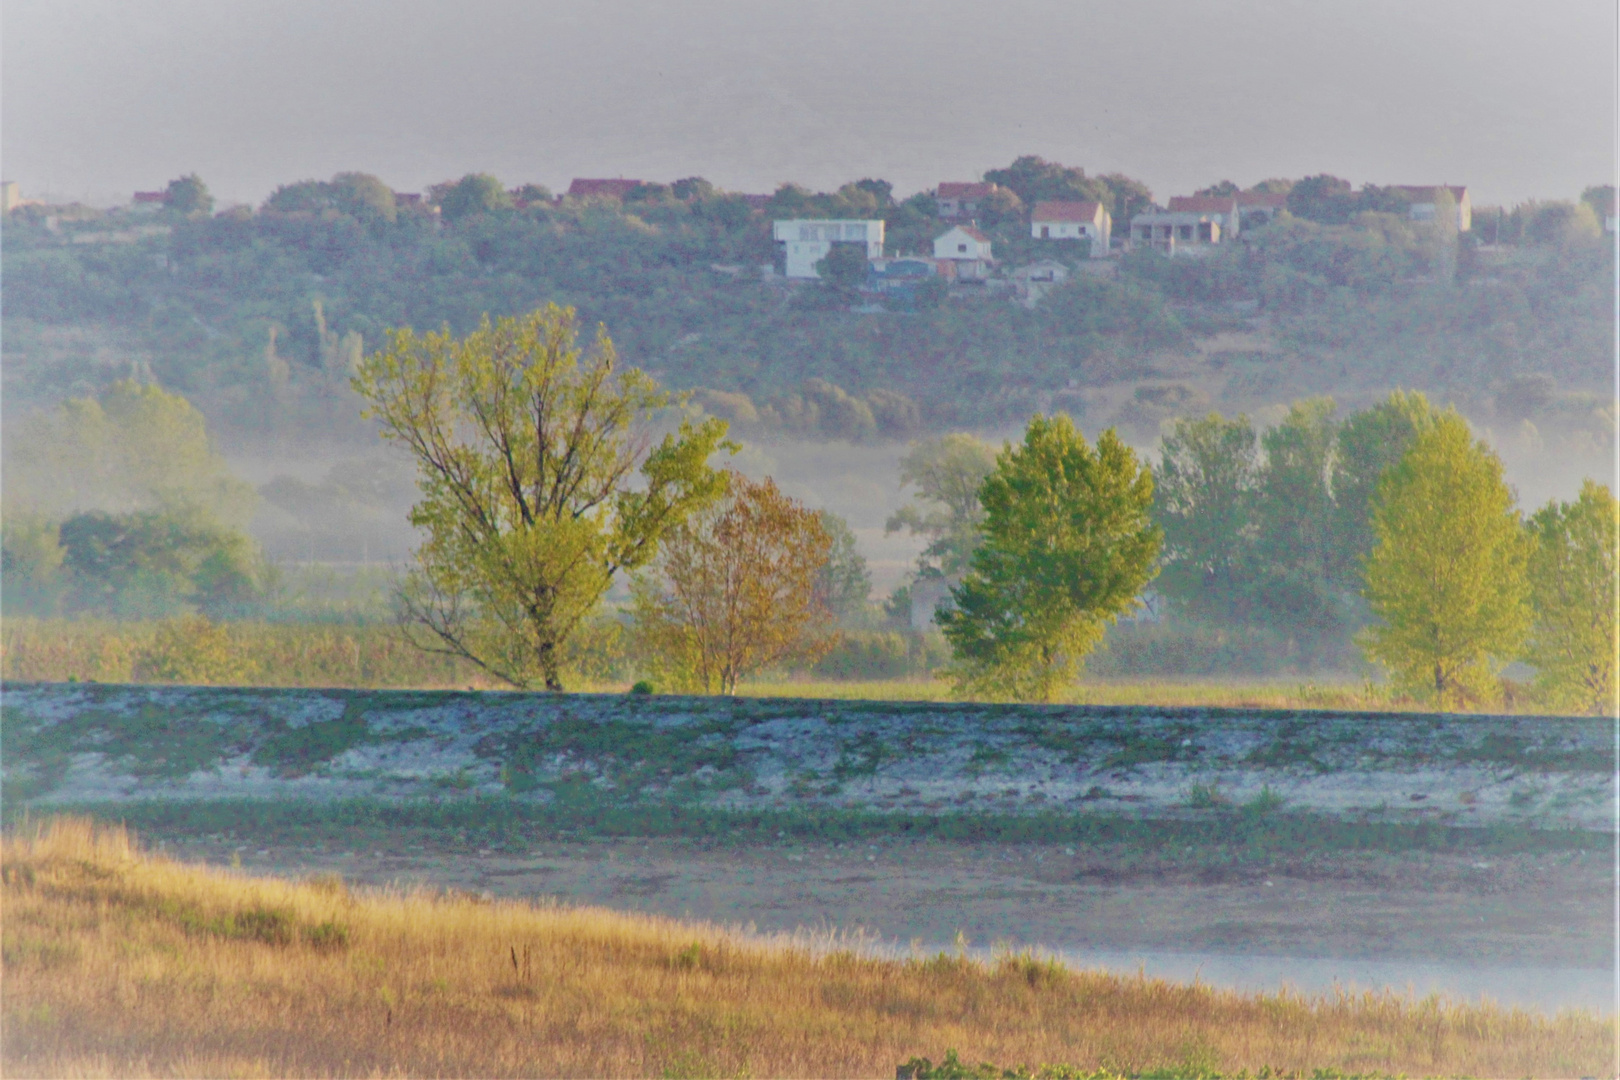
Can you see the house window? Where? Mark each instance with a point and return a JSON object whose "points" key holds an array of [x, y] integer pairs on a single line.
{"points": [[1203, 231], [1186, 232], [962, 248], [1046, 232]]}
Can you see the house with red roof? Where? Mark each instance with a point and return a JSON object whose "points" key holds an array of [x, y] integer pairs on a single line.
{"points": [[618, 189], [1085, 220], [961, 202]]}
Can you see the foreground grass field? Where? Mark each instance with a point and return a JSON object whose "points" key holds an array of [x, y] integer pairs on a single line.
{"points": [[121, 963]]}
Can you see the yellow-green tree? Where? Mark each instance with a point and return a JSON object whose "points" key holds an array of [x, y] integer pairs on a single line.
{"points": [[527, 449], [737, 590], [1069, 542], [1446, 579], [1572, 569]]}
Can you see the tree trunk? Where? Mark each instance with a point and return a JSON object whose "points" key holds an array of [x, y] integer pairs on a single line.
{"points": [[549, 666]]}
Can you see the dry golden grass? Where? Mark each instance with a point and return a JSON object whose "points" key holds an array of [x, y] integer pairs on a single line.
{"points": [[119, 963]]}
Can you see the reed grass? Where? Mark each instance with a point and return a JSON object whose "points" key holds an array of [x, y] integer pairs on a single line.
{"points": [[118, 962], [374, 656]]}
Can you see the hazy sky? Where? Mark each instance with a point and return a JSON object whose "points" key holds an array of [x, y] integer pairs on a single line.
{"points": [[101, 97]]}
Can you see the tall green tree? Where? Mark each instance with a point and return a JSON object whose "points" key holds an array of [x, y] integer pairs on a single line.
{"points": [[1034, 178], [947, 473], [188, 195], [1069, 542], [527, 449], [1296, 490], [844, 269], [1205, 501], [473, 194], [1572, 575], [1447, 579], [844, 584], [1370, 443]]}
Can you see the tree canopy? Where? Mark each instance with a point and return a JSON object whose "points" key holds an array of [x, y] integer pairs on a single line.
{"points": [[527, 449], [473, 194], [188, 195], [1068, 545], [1205, 494], [134, 446], [1447, 580], [737, 589], [947, 473], [1572, 589]]}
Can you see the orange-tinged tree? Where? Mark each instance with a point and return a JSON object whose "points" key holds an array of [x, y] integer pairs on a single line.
{"points": [[735, 590]]}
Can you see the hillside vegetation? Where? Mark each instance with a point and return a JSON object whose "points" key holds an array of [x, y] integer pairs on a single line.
{"points": [[118, 962], [260, 315]]}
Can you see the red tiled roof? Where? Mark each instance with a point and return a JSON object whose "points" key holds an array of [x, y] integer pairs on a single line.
{"points": [[1203, 204], [1424, 193], [148, 196], [617, 188], [1259, 200], [951, 190], [1066, 211], [975, 233]]}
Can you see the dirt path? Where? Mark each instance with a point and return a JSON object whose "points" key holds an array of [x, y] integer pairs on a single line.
{"points": [[1550, 910]]}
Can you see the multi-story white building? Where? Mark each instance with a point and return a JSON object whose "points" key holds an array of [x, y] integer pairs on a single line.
{"points": [[807, 241]]}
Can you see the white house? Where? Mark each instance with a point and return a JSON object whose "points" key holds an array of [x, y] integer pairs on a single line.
{"points": [[964, 253], [961, 201], [808, 241], [1423, 197], [1073, 221]]}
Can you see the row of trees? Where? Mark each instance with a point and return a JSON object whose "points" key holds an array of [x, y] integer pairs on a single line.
{"points": [[526, 446]]}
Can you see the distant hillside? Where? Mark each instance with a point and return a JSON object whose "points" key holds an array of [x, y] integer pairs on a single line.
{"points": [[257, 316]]}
